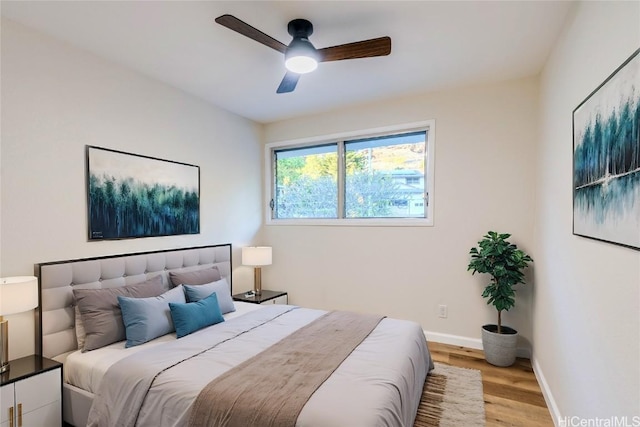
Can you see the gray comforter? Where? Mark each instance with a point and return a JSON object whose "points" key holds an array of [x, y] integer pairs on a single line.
{"points": [[379, 384]]}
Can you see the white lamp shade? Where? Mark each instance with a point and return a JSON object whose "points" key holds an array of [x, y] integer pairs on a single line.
{"points": [[256, 255], [18, 294]]}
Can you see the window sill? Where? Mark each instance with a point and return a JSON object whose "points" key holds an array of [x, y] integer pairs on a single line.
{"points": [[355, 222]]}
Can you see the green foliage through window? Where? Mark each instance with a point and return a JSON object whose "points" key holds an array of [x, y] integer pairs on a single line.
{"points": [[383, 177]]}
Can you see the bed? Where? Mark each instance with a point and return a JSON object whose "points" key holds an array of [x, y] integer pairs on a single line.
{"points": [[162, 380]]}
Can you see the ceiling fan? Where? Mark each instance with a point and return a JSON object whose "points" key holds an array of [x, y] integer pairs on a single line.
{"points": [[301, 56]]}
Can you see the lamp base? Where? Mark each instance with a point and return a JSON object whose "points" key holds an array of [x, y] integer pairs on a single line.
{"points": [[4, 345], [257, 281]]}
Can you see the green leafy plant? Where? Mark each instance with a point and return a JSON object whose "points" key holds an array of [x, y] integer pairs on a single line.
{"points": [[505, 263]]}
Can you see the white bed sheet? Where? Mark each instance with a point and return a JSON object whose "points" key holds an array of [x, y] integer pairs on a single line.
{"points": [[379, 384], [85, 370]]}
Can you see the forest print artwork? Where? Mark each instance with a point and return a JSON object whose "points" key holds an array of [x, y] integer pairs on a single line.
{"points": [[132, 196], [606, 159]]}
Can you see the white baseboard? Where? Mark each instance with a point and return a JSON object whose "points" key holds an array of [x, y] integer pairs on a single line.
{"points": [[454, 340], [523, 352], [546, 392], [475, 343]]}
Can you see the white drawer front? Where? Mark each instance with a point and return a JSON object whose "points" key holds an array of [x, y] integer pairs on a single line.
{"points": [[6, 402], [47, 416], [39, 390], [280, 300]]}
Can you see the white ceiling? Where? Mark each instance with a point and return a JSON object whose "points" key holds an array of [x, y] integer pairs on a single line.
{"points": [[435, 45]]}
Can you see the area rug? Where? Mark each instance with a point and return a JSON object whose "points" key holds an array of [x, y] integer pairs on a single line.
{"points": [[451, 397]]}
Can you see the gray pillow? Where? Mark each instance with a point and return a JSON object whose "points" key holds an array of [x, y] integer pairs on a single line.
{"points": [[198, 277], [79, 327], [100, 312], [221, 288]]}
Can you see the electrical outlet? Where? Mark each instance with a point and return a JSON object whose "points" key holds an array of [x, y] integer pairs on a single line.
{"points": [[442, 311]]}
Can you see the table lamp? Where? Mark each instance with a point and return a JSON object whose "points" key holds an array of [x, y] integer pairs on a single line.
{"points": [[17, 294], [256, 256]]}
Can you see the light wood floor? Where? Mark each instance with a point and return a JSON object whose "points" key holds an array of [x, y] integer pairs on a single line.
{"points": [[512, 395]]}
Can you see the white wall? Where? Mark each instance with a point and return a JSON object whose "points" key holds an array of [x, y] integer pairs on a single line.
{"points": [[55, 100], [587, 298], [485, 139]]}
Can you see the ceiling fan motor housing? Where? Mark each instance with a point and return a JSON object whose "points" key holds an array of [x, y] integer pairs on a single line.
{"points": [[300, 28]]}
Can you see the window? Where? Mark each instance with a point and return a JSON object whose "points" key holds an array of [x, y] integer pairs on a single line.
{"points": [[357, 179], [306, 182]]}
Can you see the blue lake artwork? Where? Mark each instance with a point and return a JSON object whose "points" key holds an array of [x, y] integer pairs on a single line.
{"points": [[606, 159]]}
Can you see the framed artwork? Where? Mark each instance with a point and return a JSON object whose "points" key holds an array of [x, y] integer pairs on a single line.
{"points": [[606, 159], [129, 196]]}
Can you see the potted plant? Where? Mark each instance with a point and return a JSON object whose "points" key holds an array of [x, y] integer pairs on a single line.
{"points": [[505, 263]]}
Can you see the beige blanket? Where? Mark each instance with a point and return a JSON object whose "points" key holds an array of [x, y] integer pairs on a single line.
{"points": [[270, 389]]}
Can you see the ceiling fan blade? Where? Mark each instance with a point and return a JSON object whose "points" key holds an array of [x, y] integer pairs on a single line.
{"points": [[247, 30], [363, 49], [288, 83]]}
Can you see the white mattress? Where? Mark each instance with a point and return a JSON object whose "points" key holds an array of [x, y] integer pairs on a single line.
{"points": [[85, 370]]}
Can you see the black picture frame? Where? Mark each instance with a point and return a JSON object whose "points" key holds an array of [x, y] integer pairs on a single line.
{"points": [[606, 159], [132, 195]]}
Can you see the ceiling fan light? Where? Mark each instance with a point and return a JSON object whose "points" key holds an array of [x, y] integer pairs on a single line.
{"points": [[301, 57], [301, 64]]}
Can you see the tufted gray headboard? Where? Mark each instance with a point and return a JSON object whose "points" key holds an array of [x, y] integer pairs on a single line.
{"points": [[55, 315]]}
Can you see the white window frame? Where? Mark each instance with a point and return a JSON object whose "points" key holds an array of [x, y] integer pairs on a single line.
{"points": [[269, 176]]}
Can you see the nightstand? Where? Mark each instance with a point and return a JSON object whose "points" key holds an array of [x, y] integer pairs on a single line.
{"points": [[266, 297], [31, 393]]}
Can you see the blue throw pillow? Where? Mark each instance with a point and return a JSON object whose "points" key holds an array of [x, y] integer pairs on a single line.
{"points": [[193, 316], [149, 318], [221, 288]]}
